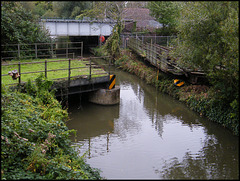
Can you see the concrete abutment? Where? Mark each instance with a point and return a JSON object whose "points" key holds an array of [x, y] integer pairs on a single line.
{"points": [[105, 96]]}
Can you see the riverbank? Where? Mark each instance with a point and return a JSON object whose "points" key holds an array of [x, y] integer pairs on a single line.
{"points": [[35, 141], [200, 98]]}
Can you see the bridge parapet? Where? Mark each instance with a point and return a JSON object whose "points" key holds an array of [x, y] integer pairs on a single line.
{"points": [[84, 20], [84, 27]]}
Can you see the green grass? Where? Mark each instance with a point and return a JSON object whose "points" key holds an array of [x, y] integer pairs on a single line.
{"points": [[84, 70]]}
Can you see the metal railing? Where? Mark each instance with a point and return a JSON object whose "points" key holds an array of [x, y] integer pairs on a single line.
{"points": [[159, 57], [42, 50], [88, 64], [159, 40]]}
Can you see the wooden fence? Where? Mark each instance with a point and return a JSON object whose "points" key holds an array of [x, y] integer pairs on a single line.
{"points": [[88, 64]]}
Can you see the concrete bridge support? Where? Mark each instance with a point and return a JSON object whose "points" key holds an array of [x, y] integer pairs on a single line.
{"points": [[105, 96]]}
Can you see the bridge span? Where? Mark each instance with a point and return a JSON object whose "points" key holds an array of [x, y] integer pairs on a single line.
{"points": [[71, 27]]}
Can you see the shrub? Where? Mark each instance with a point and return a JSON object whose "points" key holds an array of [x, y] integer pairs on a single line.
{"points": [[35, 140]]}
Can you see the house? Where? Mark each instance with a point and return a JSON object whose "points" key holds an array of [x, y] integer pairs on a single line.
{"points": [[138, 19]]}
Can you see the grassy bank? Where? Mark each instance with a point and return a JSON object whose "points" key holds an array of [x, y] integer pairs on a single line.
{"points": [[200, 98], [83, 70], [35, 141]]}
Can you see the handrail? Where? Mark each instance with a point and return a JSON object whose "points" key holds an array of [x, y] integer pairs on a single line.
{"points": [[90, 66], [37, 50]]}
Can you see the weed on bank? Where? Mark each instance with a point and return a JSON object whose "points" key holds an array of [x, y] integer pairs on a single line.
{"points": [[35, 140], [205, 100]]}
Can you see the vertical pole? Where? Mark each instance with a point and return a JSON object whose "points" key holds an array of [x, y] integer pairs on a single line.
{"points": [[81, 49], [18, 51], [19, 71], [52, 49], [69, 71], [67, 50], [35, 50], [90, 68], [46, 68], [69, 74]]}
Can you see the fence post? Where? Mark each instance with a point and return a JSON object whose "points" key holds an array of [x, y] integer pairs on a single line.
{"points": [[19, 71], [46, 68], [69, 71], [18, 51], [67, 50], [90, 68], [81, 49], [35, 50]]}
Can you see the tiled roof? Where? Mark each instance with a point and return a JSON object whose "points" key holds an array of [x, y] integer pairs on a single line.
{"points": [[137, 14], [142, 17]]}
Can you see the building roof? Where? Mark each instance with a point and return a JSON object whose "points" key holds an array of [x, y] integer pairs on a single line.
{"points": [[142, 17]]}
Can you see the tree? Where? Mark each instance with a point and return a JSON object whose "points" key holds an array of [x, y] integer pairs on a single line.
{"points": [[39, 8], [112, 10], [166, 13], [70, 9], [208, 39], [20, 26]]}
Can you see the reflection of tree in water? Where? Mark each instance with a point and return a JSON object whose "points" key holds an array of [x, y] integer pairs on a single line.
{"points": [[212, 162], [160, 106]]}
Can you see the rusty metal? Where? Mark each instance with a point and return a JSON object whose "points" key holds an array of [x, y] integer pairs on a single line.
{"points": [[159, 57]]}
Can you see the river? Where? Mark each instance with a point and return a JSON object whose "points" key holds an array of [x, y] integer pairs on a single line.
{"points": [[150, 135]]}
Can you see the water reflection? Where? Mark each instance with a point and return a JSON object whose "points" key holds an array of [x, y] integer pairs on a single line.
{"points": [[101, 122], [211, 162], [150, 135]]}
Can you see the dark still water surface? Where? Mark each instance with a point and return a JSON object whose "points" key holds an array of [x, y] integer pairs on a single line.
{"points": [[149, 135]]}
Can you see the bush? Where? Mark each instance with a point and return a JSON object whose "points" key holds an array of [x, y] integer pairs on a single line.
{"points": [[35, 140]]}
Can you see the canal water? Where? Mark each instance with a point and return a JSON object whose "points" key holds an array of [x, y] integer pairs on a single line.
{"points": [[150, 135]]}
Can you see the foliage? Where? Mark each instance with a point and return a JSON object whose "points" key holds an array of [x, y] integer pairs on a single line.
{"points": [[104, 9], [166, 13], [56, 9], [215, 110], [19, 26], [35, 140], [70, 9], [208, 40], [38, 8], [112, 10], [112, 45], [199, 98]]}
